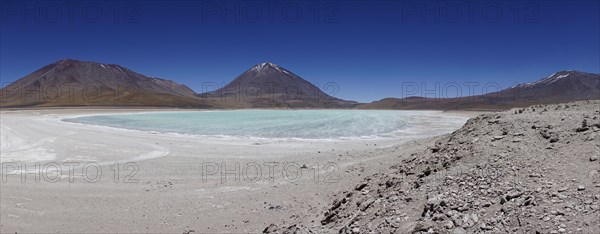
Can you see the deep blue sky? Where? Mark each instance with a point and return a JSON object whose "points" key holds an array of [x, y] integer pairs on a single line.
{"points": [[369, 48]]}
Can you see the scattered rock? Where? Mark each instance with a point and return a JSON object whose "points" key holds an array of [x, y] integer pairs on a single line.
{"points": [[560, 190], [459, 230], [529, 180], [449, 224], [584, 127], [360, 186]]}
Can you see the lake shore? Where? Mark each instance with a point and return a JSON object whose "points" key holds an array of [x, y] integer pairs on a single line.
{"points": [[155, 182]]}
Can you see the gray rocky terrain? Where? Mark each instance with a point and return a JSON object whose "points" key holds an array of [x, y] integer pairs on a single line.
{"points": [[525, 170]]}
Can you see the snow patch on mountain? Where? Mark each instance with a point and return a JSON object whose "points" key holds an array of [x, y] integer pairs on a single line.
{"points": [[267, 65], [548, 80]]}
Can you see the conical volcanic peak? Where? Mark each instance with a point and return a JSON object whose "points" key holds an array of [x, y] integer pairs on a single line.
{"points": [[270, 85]]}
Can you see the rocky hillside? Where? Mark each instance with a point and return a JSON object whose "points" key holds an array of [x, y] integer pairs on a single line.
{"points": [[77, 83], [526, 170]]}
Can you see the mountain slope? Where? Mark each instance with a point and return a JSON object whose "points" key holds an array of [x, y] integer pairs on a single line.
{"points": [[269, 85], [76, 83], [561, 86], [564, 86]]}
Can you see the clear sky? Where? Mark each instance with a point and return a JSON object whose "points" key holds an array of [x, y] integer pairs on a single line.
{"points": [[370, 49]]}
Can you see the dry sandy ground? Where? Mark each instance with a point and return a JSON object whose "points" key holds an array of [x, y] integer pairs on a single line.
{"points": [[176, 183]]}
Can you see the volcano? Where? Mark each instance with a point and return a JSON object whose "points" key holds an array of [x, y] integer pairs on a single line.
{"points": [[269, 85], [71, 82]]}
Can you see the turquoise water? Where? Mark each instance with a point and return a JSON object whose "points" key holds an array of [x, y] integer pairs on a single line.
{"points": [[303, 124]]}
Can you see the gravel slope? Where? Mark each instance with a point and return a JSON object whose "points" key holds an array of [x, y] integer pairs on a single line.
{"points": [[529, 170]]}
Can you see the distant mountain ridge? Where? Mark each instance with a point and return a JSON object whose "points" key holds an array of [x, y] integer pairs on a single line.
{"points": [[563, 86], [71, 82]]}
